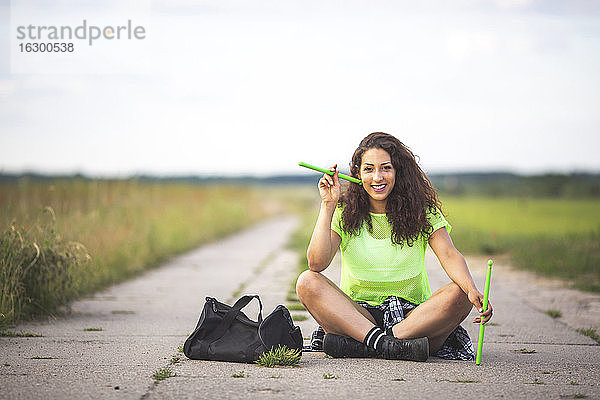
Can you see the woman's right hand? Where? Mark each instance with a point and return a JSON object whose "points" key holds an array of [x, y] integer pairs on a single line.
{"points": [[329, 187]]}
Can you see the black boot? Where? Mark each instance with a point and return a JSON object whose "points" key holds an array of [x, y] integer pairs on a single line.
{"points": [[345, 347], [391, 348], [316, 340]]}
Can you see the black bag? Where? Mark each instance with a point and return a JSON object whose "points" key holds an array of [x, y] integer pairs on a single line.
{"points": [[225, 333]]}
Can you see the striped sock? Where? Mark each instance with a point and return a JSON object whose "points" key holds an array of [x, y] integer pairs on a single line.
{"points": [[373, 338]]}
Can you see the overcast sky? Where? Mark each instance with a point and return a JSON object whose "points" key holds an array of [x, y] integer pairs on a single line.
{"points": [[253, 87]]}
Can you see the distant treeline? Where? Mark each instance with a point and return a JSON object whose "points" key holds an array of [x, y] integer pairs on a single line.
{"points": [[505, 184], [571, 185]]}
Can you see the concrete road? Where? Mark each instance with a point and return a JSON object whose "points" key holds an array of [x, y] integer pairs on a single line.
{"points": [[112, 344]]}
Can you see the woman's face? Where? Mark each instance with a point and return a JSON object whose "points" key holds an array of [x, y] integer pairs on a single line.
{"points": [[378, 177]]}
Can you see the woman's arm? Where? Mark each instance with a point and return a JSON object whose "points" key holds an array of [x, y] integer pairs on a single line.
{"points": [[325, 242], [455, 266]]}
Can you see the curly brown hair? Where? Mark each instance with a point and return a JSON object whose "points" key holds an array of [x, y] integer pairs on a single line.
{"points": [[407, 205]]}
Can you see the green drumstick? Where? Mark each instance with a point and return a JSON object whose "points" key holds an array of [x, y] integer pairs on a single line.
{"points": [[486, 295], [328, 172]]}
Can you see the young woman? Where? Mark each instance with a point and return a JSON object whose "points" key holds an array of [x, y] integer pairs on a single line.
{"points": [[384, 307]]}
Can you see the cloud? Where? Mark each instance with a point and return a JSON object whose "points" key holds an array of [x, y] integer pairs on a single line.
{"points": [[514, 4], [462, 45]]}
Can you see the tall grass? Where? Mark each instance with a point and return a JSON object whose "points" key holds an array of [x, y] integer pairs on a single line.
{"points": [[95, 233], [38, 269]]}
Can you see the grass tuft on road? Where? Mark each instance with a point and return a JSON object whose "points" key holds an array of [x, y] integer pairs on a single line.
{"points": [[591, 333], [162, 374], [553, 313], [8, 333], [280, 356]]}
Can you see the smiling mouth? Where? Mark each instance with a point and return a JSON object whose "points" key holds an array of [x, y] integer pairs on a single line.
{"points": [[379, 188]]}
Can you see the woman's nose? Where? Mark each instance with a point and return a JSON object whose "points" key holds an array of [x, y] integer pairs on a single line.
{"points": [[378, 175]]}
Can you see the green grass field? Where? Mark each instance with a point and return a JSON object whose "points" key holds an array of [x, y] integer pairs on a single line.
{"points": [[70, 237], [511, 215], [554, 237]]}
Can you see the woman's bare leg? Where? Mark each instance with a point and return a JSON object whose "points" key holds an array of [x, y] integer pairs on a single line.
{"points": [[331, 308], [436, 318]]}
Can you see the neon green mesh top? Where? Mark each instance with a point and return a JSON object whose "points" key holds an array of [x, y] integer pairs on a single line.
{"points": [[373, 268]]}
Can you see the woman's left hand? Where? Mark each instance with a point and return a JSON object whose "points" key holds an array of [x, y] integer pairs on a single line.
{"points": [[476, 299]]}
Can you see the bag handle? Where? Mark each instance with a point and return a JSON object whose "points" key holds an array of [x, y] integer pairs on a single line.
{"points": [[244, 301], [228, 320]]}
